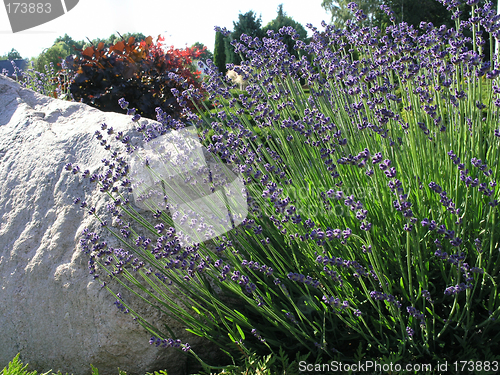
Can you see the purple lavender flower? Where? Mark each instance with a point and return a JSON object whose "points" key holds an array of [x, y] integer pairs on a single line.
{"points": [[410, 332]]}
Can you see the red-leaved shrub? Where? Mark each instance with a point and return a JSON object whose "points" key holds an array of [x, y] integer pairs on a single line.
{"points": [[142, 73]]}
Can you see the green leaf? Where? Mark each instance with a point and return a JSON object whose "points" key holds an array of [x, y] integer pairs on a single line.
{"points": [[194, 332], [242, 334], [196, 310], [243, 317], [492, 300], [15, 367]]}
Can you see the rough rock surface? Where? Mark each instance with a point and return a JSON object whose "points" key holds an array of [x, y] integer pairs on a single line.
{"points": [[51, 310]]}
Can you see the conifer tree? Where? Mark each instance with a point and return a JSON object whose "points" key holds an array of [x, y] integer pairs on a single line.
{"points": [[248, 24], [220, 53], [282, 20]]}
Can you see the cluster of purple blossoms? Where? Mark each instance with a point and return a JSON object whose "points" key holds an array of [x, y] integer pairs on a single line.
{"points": [[447, 202], [308, 280], [354, 206], [401, 204], [123, 103], [329, 234], [334, 302], [169, 343], [379, 296], [258, 335], [452, 290], [457, 260], [427, 295], [255, 266], [119, 304], [410, 332], [442, 230], [292, 318], [416, 314], [483, 188], [359, 270]]}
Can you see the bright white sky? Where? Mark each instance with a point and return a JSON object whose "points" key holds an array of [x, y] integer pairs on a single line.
{"points": [[181, 22]]}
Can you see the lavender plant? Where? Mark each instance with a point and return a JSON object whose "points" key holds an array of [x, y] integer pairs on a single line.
{"points": [[50, 82], [373, 199]]}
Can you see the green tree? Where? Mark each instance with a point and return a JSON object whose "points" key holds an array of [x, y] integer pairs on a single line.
{"points": [[12, 55], [54, 55], [205, 54], [414, 13], [433, 11], [220, 53], [231, 57], [410, 11], [115, 38], [282, 20], [340, 12], [248, 24], [70, 42]]}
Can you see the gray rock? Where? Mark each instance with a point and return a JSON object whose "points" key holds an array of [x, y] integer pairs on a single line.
{"points": [[51, 310]]}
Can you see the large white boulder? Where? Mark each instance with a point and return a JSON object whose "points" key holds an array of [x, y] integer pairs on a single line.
{"points": [[51, 309]]}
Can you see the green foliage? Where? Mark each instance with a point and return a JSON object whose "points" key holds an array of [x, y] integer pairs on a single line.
{"points": [[53, 55], [251, 364], [220, 53], [65, 46], [74, 45], [340, 12], [161, 372], [12, 55], [282, 20], [16, 367], [231, 57], [414, 13], [203, 52], [115, 38], [416, 265], [248, 24], [254, 364], [77, 46]]}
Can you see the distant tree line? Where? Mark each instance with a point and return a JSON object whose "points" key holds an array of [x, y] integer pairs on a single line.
{"points": [[12, 55], [409, 11], [65, 46]]}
